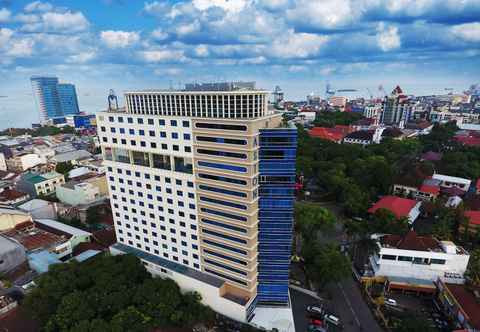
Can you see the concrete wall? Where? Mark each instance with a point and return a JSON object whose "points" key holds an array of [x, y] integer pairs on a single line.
{"points": [[210, 294]]}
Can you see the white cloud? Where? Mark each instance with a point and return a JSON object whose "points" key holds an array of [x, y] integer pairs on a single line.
{"points": [[68, 21], [201, 51], [253, 61], [155, 56], [5, 35], [387, 37], [38, 6], [468, 31], [230, 6], [20, 48], [4, 15], [187, 29], [297, 69], [273, 4], [159, 34], [58, 22], [81, 57], [119, 39], [27, 18], [326, 14], [168, 72], [297, 45]]}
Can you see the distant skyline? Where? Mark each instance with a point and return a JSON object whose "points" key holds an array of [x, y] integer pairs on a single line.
{"points": [[424, 46]]}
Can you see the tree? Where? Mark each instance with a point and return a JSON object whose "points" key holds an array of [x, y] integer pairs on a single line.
{"points": [[64, 167], [311, 218], [328, 264], [384, 221], [473, 269], [114, 292], [93, 215]]}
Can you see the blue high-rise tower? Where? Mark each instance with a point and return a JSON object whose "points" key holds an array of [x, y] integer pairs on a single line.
{"points": [[68, 98], [53, 99], [46, 96]]}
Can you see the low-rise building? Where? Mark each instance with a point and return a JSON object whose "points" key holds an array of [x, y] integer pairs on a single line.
{"points": [[3, 163], [473, 218], [73, 156], [400, 207], [13, 197], [25, 161], [447, 181], [335, 134], [12, 255], [419, 258], [43, 151], [11, 217], [44, 184], [461, 304], [362, 137], [78, 193]]}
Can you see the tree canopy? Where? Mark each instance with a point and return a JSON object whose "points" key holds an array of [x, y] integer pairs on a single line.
{"points": [[111, 293]]}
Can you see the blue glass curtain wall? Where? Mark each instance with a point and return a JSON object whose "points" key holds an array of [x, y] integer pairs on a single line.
{"points": [[277, 181]]}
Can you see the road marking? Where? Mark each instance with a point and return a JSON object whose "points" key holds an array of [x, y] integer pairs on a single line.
{"points": [[349, 304]]}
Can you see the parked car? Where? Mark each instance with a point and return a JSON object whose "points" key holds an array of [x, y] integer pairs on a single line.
{"points": [[316, 322], [333, 320], [313, 328], [391, 302], [316, 310]]}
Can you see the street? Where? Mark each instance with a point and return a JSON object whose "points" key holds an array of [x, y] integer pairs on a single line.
{"points": [[346, 302]]}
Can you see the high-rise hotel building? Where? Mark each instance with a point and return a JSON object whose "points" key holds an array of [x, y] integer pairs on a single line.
{"points": [[202, 190]]}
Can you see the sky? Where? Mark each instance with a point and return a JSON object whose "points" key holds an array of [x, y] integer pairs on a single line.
{"points": [[424, 46]]}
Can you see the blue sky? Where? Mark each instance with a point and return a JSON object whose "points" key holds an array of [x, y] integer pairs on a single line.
{"points": [[423, 45]]}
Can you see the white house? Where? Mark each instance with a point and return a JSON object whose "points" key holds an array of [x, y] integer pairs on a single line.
{"points": [[452, 181], [78, 193], [419, 258], [24, 161]]}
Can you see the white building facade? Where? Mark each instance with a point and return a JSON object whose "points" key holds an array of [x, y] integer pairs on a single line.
{"points": [[184, 170], [418, 257]]}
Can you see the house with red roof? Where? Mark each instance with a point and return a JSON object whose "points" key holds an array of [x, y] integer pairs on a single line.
{"points": [[335, 134], [414, 262], [473, 221], [399, 206]]}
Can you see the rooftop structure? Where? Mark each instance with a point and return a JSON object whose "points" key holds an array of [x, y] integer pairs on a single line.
{"points": [[400, 207], [419, 257]]}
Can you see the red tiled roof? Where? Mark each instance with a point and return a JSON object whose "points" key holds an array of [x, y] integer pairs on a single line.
{"points": [[411, 241], [11, 194], [473, 217], [331, 134], [425, 188], [466, 299], [399, 206]]}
